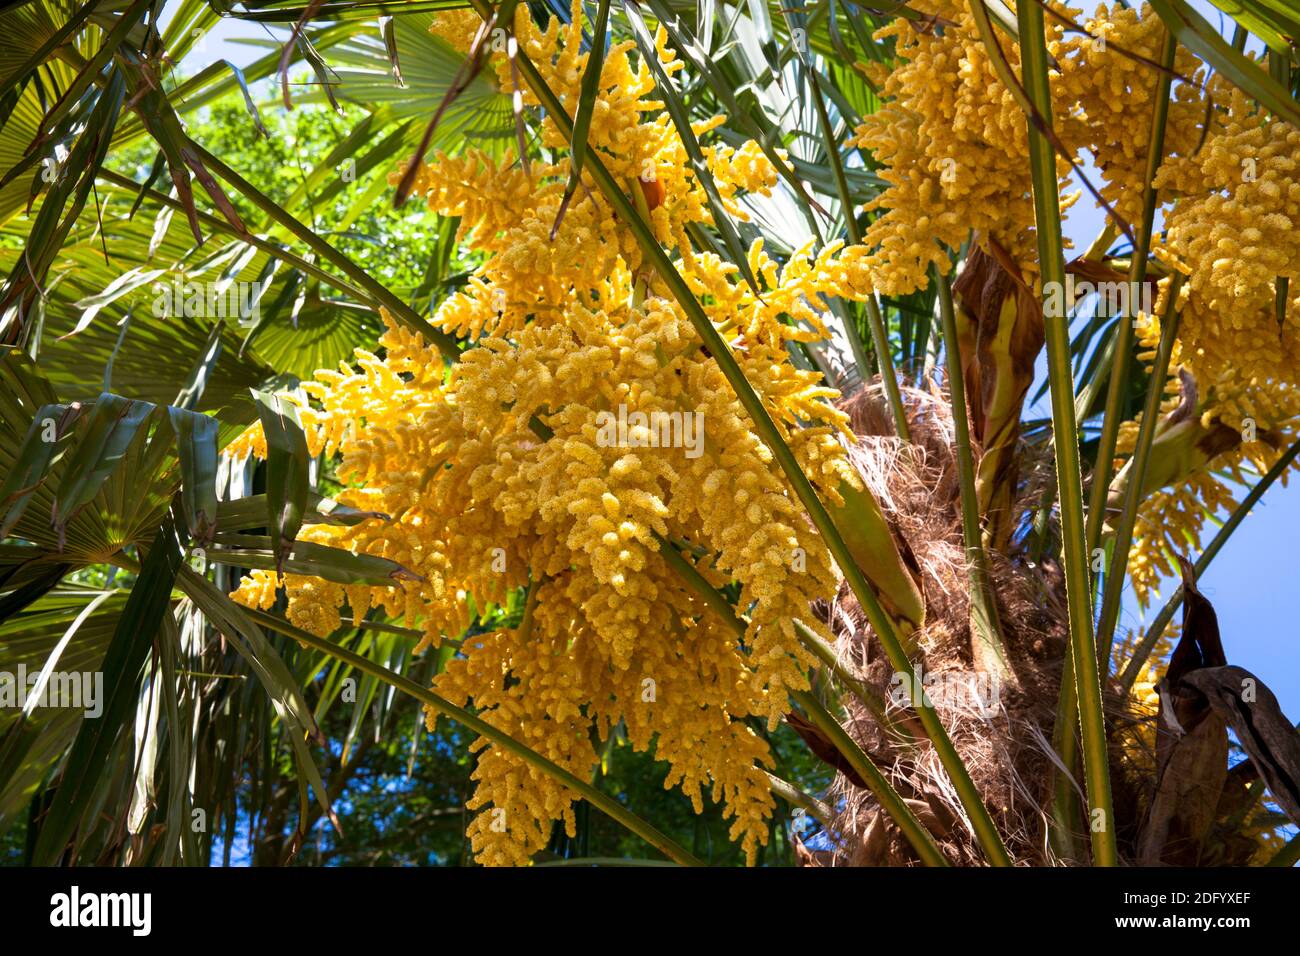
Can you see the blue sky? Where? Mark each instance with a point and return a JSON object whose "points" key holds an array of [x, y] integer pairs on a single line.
{"points": [[1248, 582]]}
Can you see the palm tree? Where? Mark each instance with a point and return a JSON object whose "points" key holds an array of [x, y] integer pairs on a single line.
{"points": [[978, 704]]}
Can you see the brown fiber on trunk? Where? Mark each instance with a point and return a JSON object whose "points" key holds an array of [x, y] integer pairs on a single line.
{"points": [[1176, 800]]}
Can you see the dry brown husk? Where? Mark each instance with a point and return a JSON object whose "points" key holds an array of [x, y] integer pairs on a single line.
{"points": [[1007, 749]]}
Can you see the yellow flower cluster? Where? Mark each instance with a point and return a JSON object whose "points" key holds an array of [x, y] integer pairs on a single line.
{"points": [[1108, 82], [1167, 522], [745, 169], [586, 426], [1238, 421], [953, 144], [479, 502], [953, 141], [508, 212], [1234, 232], [953, 147]]}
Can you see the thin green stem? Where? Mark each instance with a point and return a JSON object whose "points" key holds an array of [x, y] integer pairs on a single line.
{"points": [[445, 343], [876, 781], [870, 699], [601, 801], [1042, 520], [1051, 258], [1065, 808], [890, 801], [846, 208], [885, 359], [798, 798], [985, 625], [884, 626], [1114, 588], [1066, 811], [1166, 614], [1117, 389]]}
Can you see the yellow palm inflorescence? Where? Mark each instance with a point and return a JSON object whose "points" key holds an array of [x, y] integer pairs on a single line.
{"points": [[1233, 233], [586, 425], [954, 145], [952, 141]]}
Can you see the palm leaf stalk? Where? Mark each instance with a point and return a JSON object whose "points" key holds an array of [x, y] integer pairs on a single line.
{"points": [[988, 648], [1117, 388], [892, 803], [601, 801], [875, 322], [1119, 351], [401, 311], [981, 820], [872, 700], [1067, 703], [876, 781], [792, 795], [1158, 623], [1051, 257], [1114, 587]]}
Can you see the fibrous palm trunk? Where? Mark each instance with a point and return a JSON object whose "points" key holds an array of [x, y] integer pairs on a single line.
{"points": [[1175, 799]]}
